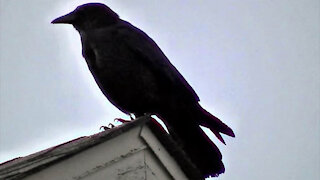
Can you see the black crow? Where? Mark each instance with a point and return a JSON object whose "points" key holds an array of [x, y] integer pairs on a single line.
{"points": [[136, 76]]}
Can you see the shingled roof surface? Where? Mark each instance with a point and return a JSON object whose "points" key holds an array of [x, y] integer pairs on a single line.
{"points": [[23, 166]]}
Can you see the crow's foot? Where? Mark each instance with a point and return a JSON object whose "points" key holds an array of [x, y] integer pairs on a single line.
{"points": [[122, 120], [110, 126]]}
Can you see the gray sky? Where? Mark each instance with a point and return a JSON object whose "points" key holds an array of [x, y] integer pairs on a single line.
{"points": [[255, 64]]}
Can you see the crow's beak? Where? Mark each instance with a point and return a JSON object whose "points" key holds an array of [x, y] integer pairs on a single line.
{"points": [[66, 19]]}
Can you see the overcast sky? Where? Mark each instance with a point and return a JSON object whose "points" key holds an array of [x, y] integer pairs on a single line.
{"points": [[254, 63]]}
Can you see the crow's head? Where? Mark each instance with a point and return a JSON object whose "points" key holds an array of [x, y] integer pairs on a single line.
{"points": [[89, 16]]}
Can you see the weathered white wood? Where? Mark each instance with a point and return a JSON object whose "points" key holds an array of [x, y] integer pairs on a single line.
{"points": [[168, 163], [129, 152]]}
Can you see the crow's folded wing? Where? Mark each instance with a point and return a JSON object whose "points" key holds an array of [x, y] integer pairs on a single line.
{"points": [[148, 51]]}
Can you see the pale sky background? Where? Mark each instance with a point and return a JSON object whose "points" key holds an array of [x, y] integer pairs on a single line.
{"points": [[254, 63]]}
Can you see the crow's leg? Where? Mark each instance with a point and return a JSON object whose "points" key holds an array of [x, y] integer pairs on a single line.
{"points": [[123, 120]]}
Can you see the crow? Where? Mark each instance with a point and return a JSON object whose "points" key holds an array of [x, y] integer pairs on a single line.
{"points": [[136, 76]]}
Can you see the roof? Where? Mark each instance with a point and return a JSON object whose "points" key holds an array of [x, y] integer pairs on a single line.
{"points": [[23, 166]]}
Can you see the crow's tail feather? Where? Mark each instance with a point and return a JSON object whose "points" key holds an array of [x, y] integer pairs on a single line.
{"points": [[214, 124], [184, 129]]}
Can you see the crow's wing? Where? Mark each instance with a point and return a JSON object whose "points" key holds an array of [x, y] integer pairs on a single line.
{"points": [[148, 51]]}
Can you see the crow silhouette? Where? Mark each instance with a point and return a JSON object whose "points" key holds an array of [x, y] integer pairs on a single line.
{"points": [[137, 77]]}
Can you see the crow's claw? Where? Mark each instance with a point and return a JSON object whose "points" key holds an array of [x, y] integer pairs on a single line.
{"points": [[104, 128], [110, 126]]}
